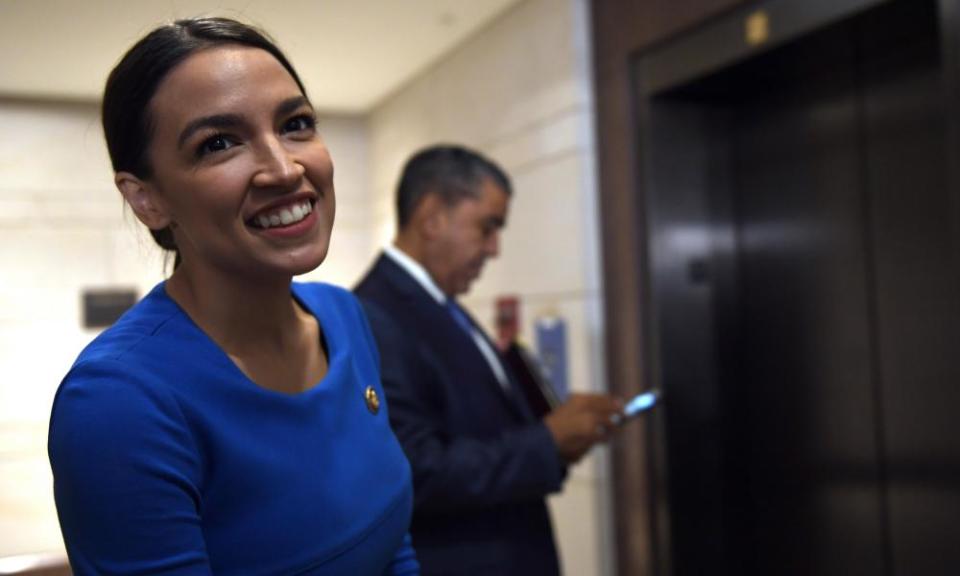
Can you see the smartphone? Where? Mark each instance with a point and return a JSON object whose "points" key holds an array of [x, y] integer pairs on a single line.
{"points": [[638, 405]]}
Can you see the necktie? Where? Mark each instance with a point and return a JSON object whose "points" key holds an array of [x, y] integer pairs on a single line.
{"points": [[459, 316], [489, 354]]}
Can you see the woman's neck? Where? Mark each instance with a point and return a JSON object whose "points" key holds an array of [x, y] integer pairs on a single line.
{"points": [[239, 314], [257, 324]]}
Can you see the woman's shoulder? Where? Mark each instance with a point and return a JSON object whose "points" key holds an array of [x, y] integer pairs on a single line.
{"points": [[108, 399], [123, 359], [116, 383], [142, 322], [338, 309], [329, 299], [322, 292]]}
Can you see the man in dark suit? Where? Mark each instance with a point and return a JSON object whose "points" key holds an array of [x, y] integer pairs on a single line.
{"points": [[482, 464]]}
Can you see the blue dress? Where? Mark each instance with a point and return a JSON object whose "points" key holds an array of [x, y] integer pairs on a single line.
{"points": [[167, 459]]}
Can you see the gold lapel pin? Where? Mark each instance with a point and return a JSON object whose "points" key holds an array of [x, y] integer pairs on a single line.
{"points": [[373, 401]]}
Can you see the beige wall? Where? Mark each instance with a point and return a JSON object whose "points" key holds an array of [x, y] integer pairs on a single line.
{"points": [[520, 92], [59, 230]]}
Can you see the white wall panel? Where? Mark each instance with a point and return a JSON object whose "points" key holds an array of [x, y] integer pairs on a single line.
{"points": [[542, 248], [520, 92]]}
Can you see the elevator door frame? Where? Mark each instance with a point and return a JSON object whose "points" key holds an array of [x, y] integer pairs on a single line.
{"points": [[712, 48]]}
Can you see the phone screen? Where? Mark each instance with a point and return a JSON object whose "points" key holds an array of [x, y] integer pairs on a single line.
{"points": [[641, 403]]}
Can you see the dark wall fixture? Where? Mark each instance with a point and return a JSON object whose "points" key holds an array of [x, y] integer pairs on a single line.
{"points": [[103, 306], [782, 258]]}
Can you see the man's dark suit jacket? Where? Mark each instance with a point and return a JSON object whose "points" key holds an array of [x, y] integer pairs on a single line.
{"points": [[482, 465]]}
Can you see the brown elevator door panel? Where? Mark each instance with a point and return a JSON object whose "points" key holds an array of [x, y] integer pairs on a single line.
{"points": [[806, 297], [806, 426], [917, 297]]}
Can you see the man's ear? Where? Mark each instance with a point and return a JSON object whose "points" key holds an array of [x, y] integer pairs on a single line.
{"points": [[432, 215], [144, 201]]}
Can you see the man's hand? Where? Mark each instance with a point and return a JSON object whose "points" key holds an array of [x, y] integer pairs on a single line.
{"points": [[580, 422]]}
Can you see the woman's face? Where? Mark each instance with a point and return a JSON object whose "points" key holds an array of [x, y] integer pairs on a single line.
{"points": [[238, 166]]}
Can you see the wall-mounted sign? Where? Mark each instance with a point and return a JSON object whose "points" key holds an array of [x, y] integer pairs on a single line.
{"points": [[103, 306], [507, 320], [551, 334]]}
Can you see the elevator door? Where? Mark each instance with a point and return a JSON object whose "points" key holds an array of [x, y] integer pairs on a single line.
{"points": [[803, 283], [803, 434]]}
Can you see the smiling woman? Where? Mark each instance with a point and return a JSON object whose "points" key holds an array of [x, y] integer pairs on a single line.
{"points": [[214, 427], [238, 142]]}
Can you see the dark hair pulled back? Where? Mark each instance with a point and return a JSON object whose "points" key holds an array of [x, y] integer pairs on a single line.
{"points": [[127, 123]]}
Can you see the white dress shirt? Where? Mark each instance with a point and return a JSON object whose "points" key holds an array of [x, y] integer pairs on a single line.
{"points": [[420, 274]]}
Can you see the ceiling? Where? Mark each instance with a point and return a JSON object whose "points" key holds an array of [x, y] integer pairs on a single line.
{"points": [[349, 53]]}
